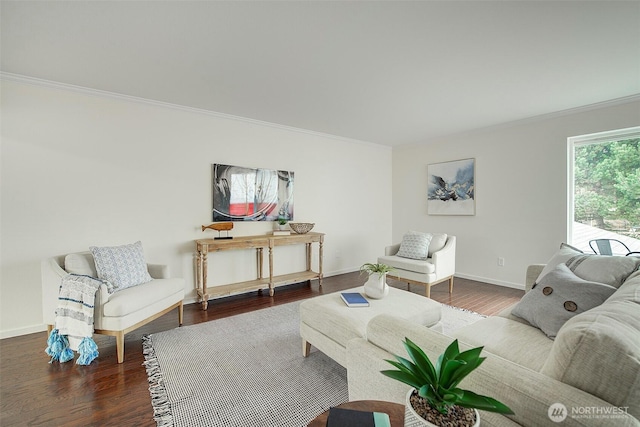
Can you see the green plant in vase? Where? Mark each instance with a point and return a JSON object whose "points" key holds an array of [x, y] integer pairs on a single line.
{"points": [[380, 269], [436, 395], [282, 223], [376, 287]]}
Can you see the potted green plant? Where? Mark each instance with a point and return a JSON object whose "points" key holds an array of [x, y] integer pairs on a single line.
{"points": [[281, 223], [376, 287], [436, 399]]}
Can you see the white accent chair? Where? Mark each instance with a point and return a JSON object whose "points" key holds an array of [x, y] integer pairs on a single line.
{"points": [[118, 313], [438, 267]]}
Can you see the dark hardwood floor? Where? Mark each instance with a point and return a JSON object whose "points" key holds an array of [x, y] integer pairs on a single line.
{"points": [[36, 393]]}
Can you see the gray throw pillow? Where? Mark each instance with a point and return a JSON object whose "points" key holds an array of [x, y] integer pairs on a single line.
{"points": [[610, 270], [559, 296], [565, 253], [415, 245]]}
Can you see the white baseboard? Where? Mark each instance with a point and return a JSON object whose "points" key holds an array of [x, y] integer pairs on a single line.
{"points": [[490, 281], [23, 331]]}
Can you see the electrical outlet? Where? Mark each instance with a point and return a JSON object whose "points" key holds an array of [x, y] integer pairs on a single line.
{"points": [[500, 262]]}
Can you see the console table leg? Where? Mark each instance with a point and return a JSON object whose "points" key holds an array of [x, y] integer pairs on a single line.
{"points": [[320, 257], [259, 266], [270, 269], [259, 262], [205, 295]]}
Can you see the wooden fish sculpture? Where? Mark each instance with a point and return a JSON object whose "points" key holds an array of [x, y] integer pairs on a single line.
{"points": [[219, 226]]}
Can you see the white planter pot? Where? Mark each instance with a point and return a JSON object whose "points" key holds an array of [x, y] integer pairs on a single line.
{"points": [[412, 419], [376, 286]]}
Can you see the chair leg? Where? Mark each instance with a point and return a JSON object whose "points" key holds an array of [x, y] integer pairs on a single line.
{"points": [[120, 346], [428, 291], [180, 314], [306, 348], [451, 284]]}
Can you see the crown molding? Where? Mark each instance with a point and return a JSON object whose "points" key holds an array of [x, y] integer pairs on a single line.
{"points": [[529, 120], [19, 78]]}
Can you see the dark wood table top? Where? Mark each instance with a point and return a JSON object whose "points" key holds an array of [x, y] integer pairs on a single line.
{"points": [[395, 411]]}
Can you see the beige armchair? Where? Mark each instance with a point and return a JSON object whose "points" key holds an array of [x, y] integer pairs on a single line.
{"points": [[118, 313], [440, 266]]}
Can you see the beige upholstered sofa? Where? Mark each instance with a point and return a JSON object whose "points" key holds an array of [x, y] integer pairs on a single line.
{"points": [[592, 367], [440, 265], [120, 312]]}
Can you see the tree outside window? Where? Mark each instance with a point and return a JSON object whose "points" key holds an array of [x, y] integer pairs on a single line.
{"points": [[606, 187]]}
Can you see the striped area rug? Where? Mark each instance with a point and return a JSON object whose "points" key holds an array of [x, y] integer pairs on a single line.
{"points": [[246, 370]]}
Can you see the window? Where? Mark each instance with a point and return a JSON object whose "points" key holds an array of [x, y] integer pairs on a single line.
{"points": [[604, 190]]}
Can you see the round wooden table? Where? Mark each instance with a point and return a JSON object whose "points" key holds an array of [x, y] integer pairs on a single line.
{"points": [[395, 411]]}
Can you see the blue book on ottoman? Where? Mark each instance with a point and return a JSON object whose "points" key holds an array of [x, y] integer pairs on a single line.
{"points": [[354, 299]]}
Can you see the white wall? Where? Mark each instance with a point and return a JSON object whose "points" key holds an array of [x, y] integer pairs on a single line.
{"points": [[81, 169], [521, 181]]}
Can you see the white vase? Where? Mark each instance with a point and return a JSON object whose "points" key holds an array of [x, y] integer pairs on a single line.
{"points": [[412, 419], [376, 286]]}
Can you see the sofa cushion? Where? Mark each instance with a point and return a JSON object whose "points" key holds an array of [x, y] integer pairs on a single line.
{"points": [[610, 270], [629, 290], [80, 263], [599, 352], [419, 266], [135, 298], [438, 240], [414, 245], [559, 296], [514, 341], [123, 266], [506, 313]]}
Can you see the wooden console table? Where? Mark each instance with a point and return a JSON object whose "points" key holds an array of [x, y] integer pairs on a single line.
{"points": [[204, 246]]}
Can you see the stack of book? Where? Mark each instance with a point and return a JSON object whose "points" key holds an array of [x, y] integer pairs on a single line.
{"points": [[339, 417]]}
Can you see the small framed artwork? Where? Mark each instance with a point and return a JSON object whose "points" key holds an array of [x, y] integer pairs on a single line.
{"points": [[451, 188]]}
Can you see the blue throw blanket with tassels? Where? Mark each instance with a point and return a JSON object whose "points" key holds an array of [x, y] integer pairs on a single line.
{"points": [[74, 320]]}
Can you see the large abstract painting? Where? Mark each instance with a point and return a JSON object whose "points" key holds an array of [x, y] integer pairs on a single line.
{"points": [[451, 188], [249, 194]]}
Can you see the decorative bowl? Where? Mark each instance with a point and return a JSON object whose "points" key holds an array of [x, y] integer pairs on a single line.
{"points": [[301, 227]]}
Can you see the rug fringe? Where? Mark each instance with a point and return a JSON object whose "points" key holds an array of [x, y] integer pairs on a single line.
{"points": [[159, 398], [463, 309]]}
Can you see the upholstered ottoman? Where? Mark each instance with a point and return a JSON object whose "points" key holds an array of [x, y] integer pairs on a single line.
{"points": [[328, 324]]}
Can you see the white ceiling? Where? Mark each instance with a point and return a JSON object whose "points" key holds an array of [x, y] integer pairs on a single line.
{"points": [[388, 72]]}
